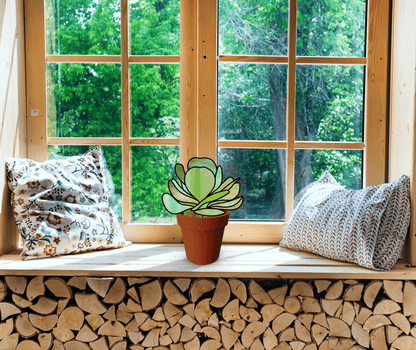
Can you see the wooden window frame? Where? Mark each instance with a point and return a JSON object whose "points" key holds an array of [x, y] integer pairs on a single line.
{"points": [[198, 107]]}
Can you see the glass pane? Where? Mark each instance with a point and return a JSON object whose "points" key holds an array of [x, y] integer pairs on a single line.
{"points": [[154, 102], [344, 165], [84, 100], [252, 101], [151, 169], [112, 155], [262, 174], [253, 27], [331, 28], [87, 27], [154, 27], [329, 103]]}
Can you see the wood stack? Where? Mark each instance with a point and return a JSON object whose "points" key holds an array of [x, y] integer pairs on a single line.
{"points": [[204, 314]]}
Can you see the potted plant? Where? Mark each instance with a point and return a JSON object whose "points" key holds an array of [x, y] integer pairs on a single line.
{"points": [[201, 202]]}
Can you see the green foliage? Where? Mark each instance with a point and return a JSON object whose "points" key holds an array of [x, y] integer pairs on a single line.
{"points": [[201, 191]]}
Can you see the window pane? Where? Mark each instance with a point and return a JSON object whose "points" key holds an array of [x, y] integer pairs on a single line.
{"points": [[151, 169], [154, 27], [84, 100], [329, 103], [87, 27], [112, 155], [344, 166], [262, 174], [154, 102], [331, 28], [252, 101], [253, 27]]}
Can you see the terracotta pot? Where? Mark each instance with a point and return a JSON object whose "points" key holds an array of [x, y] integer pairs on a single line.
{"points": [[202, 236]]}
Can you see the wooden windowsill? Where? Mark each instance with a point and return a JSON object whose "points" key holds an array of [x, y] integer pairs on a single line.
{"points": [[243, 261]]}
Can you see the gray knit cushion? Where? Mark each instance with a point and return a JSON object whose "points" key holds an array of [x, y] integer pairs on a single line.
{"points": [[367, 227]]}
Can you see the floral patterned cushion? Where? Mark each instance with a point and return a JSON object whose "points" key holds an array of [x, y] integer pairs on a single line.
{"points": [[62, 207]]}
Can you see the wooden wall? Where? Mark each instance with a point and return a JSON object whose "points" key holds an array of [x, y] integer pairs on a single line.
{"points": [[12, 108]]}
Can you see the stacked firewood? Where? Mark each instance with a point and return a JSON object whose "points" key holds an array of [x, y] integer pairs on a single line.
{"points": [[101, 313]]}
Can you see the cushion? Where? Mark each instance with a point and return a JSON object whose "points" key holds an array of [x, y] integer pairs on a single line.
{"points": [[61, 206], [367, 227]]}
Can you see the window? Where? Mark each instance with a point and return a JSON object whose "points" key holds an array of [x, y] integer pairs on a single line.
{"points": [[275, 91]]}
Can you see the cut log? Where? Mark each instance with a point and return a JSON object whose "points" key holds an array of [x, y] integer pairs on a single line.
{"points": [[251, 303], [252, 331], [112, 340], [124, 317], [229, 337], [363, 315], [331, 306], [281, 322], [63, 334], [134, 306], [58, 345], [339, 312], [311, 305], [210, 344], [44, 323], [278, 294], [306, 320], [394, 290], [178, 346], [137, 337], [10, 342], [301, 288], [120, 345], [344, 344], [117, 292], [17, 284], [311, 346], [319, 333], [392, 333], [238, 325], [413, 331], [174, 319], [386, 307], [321, 320], [28, 345], [378, 339], [44, 306], [338, 328], [409, 298], [163, 327], [148, 325], [270, 312], [100, 285], [197, 328], [131, 326], [335, 290], [231, 311], [333, 342], [45, 341], [283, 346], [187, 321], [287, 335], [8, 309], [189, 309], [248, 314], [165, 340], [137, 280], [375, 322], [79, 282], [297, 345], [199, 287], [325, 345], [354, 292], [213, 321], [361, 336], [182, 283], [258, 294], [62, 303], [400, 321], [90, 303], [71, 318], [212, 333], [175, 333], [3, 290], [238, 346], [99, 344], [370, 292], [187, 335], [159, 315], [132, 292], [151, 295], [239, 289], [173, 294], [35, 288], [86, 334], [257, 345], [301, 332], [76, 345], [348, 313], [194, 344], [221, 295], [94, 321], [113, 329], [20, 301], [292, 305], [6, 328], [170, 310], [58, 287], [203, 311], [322, 285]]}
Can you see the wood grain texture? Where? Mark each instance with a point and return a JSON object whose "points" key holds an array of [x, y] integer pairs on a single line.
{"points": [[402, 106]]}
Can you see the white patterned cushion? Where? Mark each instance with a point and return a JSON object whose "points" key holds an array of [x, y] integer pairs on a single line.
{"points": [[367, 227], [61, 206]]}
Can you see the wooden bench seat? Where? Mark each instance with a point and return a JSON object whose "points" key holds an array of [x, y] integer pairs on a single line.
{"points": [[243, 261]]}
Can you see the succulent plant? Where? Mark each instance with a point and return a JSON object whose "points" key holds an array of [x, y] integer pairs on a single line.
{"points": [[201, 191]]}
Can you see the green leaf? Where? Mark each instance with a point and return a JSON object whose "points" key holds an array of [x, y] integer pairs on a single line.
{"points": [[218, 178], [180, 172], [230, 205], [200, 182], [202, 163], [233, 192], [179, 196], [228, 181], [211, 198], [184, 190], [172, 206], [209, 212]]}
